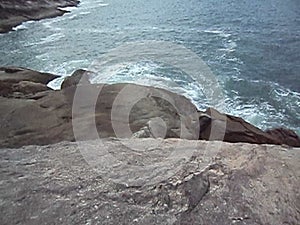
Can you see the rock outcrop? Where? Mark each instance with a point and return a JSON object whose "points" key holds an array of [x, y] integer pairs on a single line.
{"points": [[16, 82], [78, 77], [235, 184], [33, 114], [14, 12]]}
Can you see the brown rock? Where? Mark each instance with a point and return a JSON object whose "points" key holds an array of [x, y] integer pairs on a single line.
{"points": [[33, 114], [235, 129], [285, 136], [16, 74], [28, 87], [49, 118], [78, 77]]}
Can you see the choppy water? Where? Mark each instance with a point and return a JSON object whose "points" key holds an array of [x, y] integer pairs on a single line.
{"points": [[251, 46]]}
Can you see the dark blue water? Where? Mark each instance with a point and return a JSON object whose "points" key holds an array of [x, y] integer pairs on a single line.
{"points": [[252, 47]]}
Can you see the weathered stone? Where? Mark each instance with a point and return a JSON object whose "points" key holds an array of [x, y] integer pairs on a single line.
{"points": [[33, 114], [15, 75], [49, 118], [238, 130], [235, 184], [14, 12], [78, 77], [285, 136]]}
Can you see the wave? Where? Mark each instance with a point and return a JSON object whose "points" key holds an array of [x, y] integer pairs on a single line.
{"points": [[221, 33], [263, 103]]}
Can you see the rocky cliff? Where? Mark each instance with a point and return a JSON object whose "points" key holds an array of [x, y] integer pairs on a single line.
{"points": [[132, 162], [14, 12], [34, 114]]}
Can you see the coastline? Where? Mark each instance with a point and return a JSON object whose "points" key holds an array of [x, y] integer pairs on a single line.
{"points": [[44, 116], [14, 13], [125, 153], [49, 178]]}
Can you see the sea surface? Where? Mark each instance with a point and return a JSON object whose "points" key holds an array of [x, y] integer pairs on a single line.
{"points": [[251, 47]]}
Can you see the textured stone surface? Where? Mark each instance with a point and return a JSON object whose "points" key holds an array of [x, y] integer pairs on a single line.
{"points": [[33, 114], [49, 118], [78, 77], [14, 12], [15, 75], [200, 184]]}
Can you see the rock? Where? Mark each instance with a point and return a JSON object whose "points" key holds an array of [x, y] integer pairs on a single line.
{"points": [[5, 89], [285, 136], [48, 119], [14, 12], [15, 75], [28, 87], [25, 122], [16, 82], [78, 77], [33, 114], [238, 130], [235, 184], [23, 89]]}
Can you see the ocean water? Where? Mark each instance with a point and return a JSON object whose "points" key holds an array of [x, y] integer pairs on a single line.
{"points": [[251, 47]]}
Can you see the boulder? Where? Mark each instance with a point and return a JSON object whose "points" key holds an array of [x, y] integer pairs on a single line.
{"points": [[235, 129], [48, 118], [285, 136], [78, 77], [118, 184]]}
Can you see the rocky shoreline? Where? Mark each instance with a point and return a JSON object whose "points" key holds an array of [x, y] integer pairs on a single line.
{"points": [[32, 113], [135, 178], [15, 12]]}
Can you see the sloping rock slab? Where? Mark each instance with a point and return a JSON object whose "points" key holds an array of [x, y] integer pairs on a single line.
{"points": [[47, 117], [68, 183], [235, 129]]}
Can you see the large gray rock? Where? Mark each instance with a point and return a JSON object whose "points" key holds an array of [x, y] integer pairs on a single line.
{"points": [[142, 181]]}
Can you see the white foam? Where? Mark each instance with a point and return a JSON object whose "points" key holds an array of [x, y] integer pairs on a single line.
{"points": [[69, 8], [85, 13], [22, 26], [49, 39], [103, 4], [219, 32], [72, 16]]}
